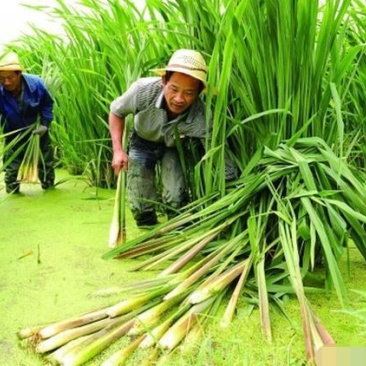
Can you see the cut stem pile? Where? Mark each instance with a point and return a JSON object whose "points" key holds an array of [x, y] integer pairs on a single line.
{"points": [[214, 261]]}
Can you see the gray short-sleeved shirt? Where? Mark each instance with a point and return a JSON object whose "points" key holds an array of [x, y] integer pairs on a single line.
{"points": [[144, 99]]}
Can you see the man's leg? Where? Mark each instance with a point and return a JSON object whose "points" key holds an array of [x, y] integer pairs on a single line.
{"points": [[173, 181], [12, 164], [142, 158], [46, 169], [140, 187]]}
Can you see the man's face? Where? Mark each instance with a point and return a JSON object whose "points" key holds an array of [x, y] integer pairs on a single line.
{"points": [[10, 80], [180, 92]]}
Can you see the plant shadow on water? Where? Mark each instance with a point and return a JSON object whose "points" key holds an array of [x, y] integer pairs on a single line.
{"points": [[51, 268]]}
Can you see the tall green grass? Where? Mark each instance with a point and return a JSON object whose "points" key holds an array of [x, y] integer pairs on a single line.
{"points": [[273, 67]]}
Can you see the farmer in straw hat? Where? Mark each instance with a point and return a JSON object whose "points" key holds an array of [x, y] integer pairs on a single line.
{"points": [[162, 107], [24, 102]]}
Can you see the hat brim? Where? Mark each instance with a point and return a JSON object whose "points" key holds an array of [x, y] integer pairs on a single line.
{"points": [[11, 68]]}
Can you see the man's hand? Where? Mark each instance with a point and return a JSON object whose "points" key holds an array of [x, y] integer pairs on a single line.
{"points": [[120, 161], [41, 130]]}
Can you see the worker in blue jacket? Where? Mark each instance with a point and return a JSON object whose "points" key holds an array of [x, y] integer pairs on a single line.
{"points": [[24, 103]]}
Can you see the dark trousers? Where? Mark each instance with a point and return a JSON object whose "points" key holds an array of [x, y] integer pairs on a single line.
{"points": [[141, 178], [14, 156]]}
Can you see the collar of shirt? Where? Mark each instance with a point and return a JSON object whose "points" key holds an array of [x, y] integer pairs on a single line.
{"points": [[19, 98], [160, 101]]}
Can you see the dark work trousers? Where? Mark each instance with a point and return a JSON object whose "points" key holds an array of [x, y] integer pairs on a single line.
{"points": [[13, 158], [143, 157]]}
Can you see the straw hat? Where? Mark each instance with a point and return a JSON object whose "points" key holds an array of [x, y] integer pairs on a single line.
{"points": [[10, 62], [187, 62]]}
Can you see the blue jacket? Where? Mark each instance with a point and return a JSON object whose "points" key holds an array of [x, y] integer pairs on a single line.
{"points": [[37, 104]]}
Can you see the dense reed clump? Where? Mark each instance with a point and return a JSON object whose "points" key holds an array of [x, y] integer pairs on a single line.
{"points": [[273, 76], [287, 80]]}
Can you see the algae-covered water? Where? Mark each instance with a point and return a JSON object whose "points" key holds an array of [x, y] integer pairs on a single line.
{"points": [[50, 264], [51, 269]]}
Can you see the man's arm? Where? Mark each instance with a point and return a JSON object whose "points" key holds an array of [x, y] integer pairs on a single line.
{"points": [[46, 104], [45, 112], [116, 129]]}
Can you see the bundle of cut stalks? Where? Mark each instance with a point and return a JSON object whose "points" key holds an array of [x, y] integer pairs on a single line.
{"points": [[117, 230], [28, 171], [257, 243], [14, 147], [74, 341]]}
